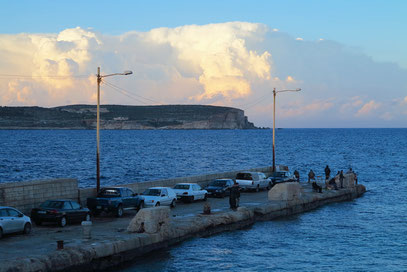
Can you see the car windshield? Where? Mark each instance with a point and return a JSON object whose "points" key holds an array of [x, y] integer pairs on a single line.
{"points": [[278, 174], [52, 204], [218, 183], [182, 186], [109, 193], [152, 192], [244, 176]]}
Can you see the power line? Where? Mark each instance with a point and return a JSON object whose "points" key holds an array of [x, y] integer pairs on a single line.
{"points": [[124, 92], [33, 77], [130, 93], [253, 103]]}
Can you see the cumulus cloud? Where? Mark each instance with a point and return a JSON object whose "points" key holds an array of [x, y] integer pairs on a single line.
{"points": [[300, 109], [368, 108], [232, 64]]}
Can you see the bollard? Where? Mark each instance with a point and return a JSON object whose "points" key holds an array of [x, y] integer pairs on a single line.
{"points": [[86, 228], [60, 244]]}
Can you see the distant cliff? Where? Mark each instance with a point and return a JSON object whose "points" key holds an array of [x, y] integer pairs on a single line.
{"points": [[124, 117]]}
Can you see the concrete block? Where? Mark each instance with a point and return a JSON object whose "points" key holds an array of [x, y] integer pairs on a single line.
{"points": [[150, 220], [285, 191]]}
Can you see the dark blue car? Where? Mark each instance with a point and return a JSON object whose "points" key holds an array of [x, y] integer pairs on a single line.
{"points": [[219, 187], [61, 211]]}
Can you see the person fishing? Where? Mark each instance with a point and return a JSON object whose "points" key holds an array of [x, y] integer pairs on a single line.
{"points": [[311, 176], [234, 196], [297, 175], [327, 172]]}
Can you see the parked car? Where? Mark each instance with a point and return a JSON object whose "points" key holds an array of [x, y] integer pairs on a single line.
{"points": [[219, 187], [157, 196], [281, 175], [114, 200], [252, 181], [12, 220], [60, 211], [188, 192]]}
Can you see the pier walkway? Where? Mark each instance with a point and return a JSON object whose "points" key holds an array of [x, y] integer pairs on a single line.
{"points": [[32, 252]]}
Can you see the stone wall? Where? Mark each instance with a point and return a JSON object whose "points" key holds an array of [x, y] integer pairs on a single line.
{"points": [[27, 195], [202, 180]]}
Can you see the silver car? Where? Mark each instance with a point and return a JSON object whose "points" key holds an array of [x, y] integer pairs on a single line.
{"points": [[12, 220]]}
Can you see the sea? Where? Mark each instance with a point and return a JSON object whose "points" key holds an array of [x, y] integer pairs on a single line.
{"points": [[366, 234]]}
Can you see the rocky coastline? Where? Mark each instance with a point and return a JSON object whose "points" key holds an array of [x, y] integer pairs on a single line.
{"points": [[125, 117]]}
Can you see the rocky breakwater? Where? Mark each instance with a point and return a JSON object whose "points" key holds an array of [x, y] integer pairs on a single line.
{"points": [[153, 229]]}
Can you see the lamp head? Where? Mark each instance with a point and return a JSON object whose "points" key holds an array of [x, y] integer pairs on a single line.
{"points": [[127, 73]]}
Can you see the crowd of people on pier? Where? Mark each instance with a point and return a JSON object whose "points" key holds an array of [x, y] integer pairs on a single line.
{"points": [[329, 182]]}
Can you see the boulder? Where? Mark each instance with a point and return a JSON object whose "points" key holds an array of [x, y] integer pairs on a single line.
{"points": [[150, 220], [288, 191]]}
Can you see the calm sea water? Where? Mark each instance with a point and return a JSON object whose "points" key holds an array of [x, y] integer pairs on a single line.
{"points": [[367, 234]]}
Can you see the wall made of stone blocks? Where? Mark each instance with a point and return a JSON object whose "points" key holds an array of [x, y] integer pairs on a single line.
{"points": [[202, 180], [27, 195]]}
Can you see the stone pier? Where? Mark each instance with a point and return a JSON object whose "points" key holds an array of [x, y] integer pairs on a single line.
{"points": [[99, 255]]}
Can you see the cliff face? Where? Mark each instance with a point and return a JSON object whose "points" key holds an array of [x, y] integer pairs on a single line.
{"points": [[125, 117]]}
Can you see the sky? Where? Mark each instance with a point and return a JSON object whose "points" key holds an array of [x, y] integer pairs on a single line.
{"points": [[348, 57]]}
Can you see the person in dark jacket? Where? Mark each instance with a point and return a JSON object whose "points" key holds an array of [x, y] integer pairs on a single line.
{"points": [[234, 196], [311, 175], [327, 172], [297, 175], [332, 183]]}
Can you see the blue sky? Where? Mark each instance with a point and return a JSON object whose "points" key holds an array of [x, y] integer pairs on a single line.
{"points": [[349, 57]]}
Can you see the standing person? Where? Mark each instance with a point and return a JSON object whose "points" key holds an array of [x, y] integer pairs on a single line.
{"points": [[297, 175], [311, 175], [327, 172], [234, 196], [341, 178]]}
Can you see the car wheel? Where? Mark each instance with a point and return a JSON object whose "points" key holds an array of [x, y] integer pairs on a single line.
{"points": [[141, 206], [192, 199], [205, 197], [62, 221], [257, 188], [173, 203], [95, 212], [119, 211], [157, 204], [27, 228], [87, 218]]}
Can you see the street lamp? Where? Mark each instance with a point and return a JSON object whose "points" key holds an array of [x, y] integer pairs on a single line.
{"points": [[99, 79], [274, 122]]}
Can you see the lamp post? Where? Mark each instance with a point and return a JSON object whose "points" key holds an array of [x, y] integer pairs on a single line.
{"points": [[274, 122], [99, 80]]}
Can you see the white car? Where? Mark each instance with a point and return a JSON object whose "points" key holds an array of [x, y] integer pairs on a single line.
{"points": [[12, 220], [190, 192], [252, 181], [157, 196]]}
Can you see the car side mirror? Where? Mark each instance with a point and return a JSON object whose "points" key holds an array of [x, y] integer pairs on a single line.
{"points": [[162, 195], [20, 215]]}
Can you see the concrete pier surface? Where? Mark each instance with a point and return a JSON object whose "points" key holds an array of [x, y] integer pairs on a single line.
{"points": [[111, 243]]}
